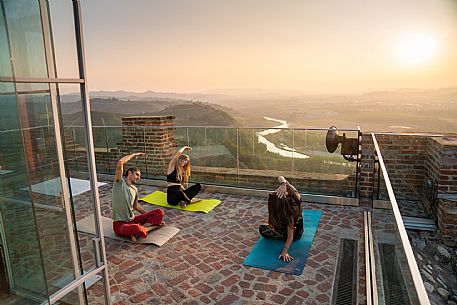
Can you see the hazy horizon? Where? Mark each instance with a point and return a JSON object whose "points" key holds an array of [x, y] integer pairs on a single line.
{"points": [[254, 91], [322, 47]]}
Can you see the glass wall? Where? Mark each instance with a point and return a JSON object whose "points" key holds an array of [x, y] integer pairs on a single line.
{"points": [[241, 157], [20, 232], [39, 198]]}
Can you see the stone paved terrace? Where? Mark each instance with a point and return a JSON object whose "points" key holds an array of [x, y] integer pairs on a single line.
{"points": [[202, 264]]}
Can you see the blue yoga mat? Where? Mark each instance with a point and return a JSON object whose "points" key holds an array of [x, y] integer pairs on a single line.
{"points": [[265, 252]]}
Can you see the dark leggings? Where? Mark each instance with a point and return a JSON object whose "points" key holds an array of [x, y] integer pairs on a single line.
{"points": [[175, 195], [268, 232]]}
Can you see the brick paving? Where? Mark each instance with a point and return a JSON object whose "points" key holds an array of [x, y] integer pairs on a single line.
{"points": [[202, 264]]}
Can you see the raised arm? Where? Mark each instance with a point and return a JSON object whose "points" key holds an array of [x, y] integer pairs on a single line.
{"points": [[172, 164], [121, 162], [286, 188]]}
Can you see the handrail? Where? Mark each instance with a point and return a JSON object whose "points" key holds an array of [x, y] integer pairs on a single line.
{"points": [[367, 260], [372, 267], [408, 134], [206, 126], [417, 279], [184, 126]]}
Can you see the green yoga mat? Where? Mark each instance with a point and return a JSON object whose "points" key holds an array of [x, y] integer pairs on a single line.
{"points": [[160, 198]]}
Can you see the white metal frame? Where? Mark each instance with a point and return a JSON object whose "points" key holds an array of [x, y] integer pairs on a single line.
{"points": [[65, 195], [53, 81], [103, 264]]}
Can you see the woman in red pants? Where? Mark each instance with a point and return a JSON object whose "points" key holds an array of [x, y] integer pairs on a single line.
{"points": [[125, 200]]}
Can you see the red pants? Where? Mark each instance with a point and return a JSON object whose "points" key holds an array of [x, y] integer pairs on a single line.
{"points": [[135, 227]]}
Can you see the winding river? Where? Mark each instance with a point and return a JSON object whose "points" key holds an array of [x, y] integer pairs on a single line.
{"points": [[285, 151]]}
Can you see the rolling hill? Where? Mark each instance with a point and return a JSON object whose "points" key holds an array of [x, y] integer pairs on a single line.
{"points": [[109, 112]]}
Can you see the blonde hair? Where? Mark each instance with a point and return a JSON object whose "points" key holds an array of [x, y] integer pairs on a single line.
{"points": [[183, 173]]}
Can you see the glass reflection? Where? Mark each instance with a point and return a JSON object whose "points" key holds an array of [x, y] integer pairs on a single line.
{"points": [[23, 21], [18, 227]]}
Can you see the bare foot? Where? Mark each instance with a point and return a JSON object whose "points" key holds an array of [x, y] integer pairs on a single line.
{"points": [[195, 200], [133, 237], [151, 227], [183, 204]]}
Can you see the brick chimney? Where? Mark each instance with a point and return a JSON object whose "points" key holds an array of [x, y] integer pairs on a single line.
{"points": [[152, 135]]}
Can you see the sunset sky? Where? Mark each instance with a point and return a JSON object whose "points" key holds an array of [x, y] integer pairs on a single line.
{"points": [[318, 46]]}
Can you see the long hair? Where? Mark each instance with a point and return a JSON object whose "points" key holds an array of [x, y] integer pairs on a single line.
{"points": [[183, 173], [281, 211]]}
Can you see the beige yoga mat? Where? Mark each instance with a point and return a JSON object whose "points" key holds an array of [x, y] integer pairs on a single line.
{"points": [[157, 237]]}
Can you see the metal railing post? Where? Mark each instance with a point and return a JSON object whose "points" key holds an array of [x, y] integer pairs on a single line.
{"points": [[357, 165], [187, 136], [237, 157], [253, 142], [107, 148], [206, 145], [293, 150], [74, 147], [145, 148]]}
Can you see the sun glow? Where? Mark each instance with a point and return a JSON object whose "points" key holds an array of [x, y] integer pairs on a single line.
{"points": [[416, 49]]}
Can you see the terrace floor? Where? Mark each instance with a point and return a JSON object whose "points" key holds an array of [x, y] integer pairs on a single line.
{"points": [[203, 263]]}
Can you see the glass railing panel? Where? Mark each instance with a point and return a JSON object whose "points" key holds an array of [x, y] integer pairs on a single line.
{"points": [[113, 141], [79, 135], [263, 155], [70, 147], [181, 136], [102, 151], [299, 155], [398, 280], [214, 153], [393, 277], [244, 157], [197, 139]]}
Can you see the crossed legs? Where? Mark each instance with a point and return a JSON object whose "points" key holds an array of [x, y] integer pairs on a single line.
{"points": [[140, 225]]}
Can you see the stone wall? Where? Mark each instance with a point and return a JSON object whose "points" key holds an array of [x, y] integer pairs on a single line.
{"points": [[314, 183], [367, 179], [447, 219], [421, 168], [447, 190], [431, 176], [404, 158]]}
